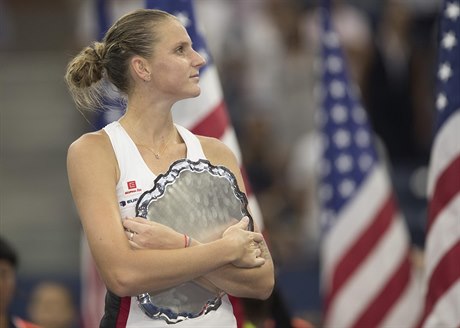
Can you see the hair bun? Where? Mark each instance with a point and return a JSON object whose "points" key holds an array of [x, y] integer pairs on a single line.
{"points": [[99, 51]]}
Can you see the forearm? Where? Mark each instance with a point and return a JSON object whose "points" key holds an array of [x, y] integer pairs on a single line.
{"points": [[242, 282], [130, 271], [230, 279], [139, 271], [249, 283]]}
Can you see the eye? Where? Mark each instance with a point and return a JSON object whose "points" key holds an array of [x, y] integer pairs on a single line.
{"points": [[180, 49]]}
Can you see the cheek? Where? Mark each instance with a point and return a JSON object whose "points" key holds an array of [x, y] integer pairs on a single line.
{"points": [[166, 72], [170, 74]]}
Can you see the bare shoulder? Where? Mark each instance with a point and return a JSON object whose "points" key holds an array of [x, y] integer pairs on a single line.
{"points": [[90, 150], [217, 152], [89, 143]]}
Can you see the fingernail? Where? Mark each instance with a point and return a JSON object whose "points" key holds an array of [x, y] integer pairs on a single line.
{"points": [[245, 219]]}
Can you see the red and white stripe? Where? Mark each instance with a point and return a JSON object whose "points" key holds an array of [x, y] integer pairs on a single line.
{"points": [[207, 115], [367, 276], [442, 250]]}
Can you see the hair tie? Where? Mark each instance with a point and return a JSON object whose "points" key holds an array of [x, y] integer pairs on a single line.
{"points": [[99, 58]]}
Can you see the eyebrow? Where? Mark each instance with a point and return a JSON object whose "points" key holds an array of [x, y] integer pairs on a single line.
{"points": [[184, 43]]}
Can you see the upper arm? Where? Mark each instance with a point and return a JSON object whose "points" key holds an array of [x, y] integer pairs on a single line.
{"points": [[219, 154], [92, 171], [259, 279]]}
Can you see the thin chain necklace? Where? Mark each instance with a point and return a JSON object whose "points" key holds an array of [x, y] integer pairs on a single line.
{"points": [[157, 154]]}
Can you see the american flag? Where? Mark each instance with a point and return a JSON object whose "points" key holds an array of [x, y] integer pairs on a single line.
{"points": [[207, 114], [366, 273], [442, 246], [204, 115]]}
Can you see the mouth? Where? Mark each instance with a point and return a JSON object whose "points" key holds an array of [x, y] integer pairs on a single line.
{"points": [[195, 76]]}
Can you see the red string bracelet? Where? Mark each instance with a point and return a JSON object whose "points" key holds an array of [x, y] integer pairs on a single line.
{"points": [[187, 241]]}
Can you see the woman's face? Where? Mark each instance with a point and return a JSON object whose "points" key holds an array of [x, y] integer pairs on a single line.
{"points": [[175, 65]]}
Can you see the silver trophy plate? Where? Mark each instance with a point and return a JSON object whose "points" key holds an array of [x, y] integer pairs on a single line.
{"points": [[202, 201]]}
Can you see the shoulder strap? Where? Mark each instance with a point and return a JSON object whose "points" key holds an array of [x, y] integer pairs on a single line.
{"points": [[194, 148], [118, 142]]}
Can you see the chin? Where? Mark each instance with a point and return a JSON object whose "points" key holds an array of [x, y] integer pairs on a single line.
{"points": [[190, 95], [196, 93]]}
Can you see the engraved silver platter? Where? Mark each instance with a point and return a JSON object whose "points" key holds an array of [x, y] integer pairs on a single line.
{"points": [[202, 201]]}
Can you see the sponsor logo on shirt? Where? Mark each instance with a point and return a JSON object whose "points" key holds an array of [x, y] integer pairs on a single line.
{"points": [[131, 187], [131, 184], [123, 203]]}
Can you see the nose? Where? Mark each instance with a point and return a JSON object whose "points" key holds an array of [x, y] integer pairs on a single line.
{"points": [[198, 60]]}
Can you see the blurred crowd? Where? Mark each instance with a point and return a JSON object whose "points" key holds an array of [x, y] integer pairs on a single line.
{"points": [[267, 55], [50, 303]]}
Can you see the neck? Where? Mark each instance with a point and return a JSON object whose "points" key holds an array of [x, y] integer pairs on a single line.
{"points": [[148, 124], [154, 138]]}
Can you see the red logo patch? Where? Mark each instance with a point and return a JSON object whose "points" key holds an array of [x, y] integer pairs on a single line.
{"points": [[131, 184]]}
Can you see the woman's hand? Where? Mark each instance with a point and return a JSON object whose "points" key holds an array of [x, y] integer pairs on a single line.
{"points": [[246, 244], [145, 234]]}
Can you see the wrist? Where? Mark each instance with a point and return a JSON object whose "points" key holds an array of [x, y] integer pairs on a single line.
{"points": [[227, 250]]}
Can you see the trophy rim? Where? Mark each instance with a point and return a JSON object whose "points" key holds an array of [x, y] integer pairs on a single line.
{"points": [[160, 185], [163, 180]]}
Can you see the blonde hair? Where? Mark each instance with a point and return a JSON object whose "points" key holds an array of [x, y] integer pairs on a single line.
{"points": [[100, 72]]}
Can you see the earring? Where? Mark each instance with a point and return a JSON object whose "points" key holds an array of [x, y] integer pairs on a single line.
{"points": [[147, 79]]}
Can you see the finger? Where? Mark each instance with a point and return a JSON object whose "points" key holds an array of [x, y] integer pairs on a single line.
{"points": [[243, 224], [127, 223], [137, 220], [128, 234], [257, 237], [140, 220], [133, 225], [134, 245], [259, 261]]}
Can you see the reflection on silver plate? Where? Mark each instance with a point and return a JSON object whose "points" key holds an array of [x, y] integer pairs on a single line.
{"points": [[200, 200]]}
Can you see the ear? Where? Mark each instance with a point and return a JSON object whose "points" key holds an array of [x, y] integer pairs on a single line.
{"points": [[141, 68]]}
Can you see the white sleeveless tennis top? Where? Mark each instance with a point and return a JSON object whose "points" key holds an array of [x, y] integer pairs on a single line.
{"points": [[136, 178]]}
